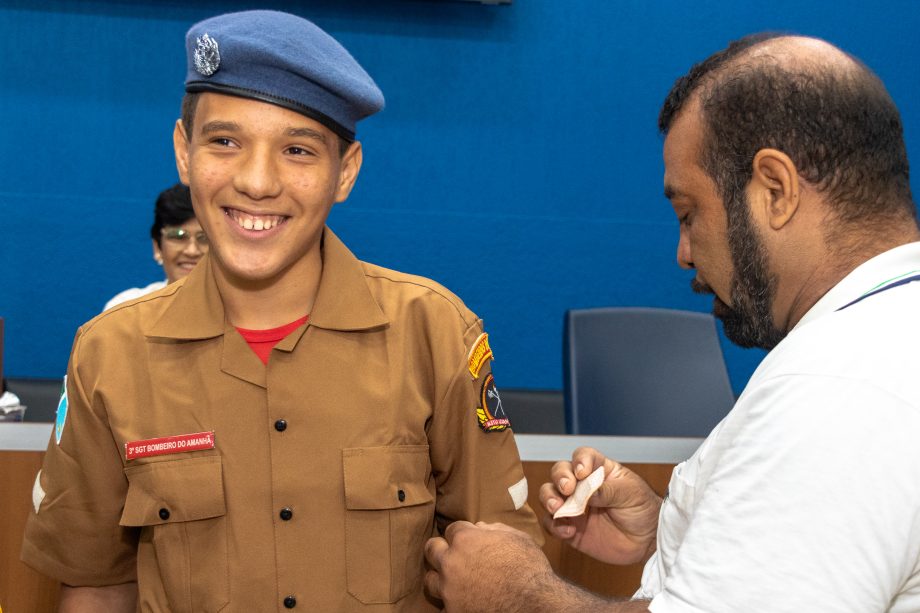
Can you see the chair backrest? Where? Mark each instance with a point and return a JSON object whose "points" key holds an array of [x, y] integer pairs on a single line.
{"points": [[643, 372]]}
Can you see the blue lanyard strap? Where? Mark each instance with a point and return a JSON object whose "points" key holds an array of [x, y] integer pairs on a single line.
{"points": [[903, 281]]}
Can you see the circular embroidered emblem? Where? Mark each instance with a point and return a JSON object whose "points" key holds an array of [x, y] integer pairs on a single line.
{"points": [[491, 414], [207, 55]]}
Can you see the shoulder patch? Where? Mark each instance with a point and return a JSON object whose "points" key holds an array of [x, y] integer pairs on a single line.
{"points": [[61, 418], [38, 492], [518, 493], [479, 354], [491, 414]]}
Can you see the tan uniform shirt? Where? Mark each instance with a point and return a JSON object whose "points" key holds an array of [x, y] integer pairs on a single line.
{"points": [[330, 467]]}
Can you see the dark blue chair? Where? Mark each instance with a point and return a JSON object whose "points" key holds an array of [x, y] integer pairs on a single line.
{"points": [[643, 372]]}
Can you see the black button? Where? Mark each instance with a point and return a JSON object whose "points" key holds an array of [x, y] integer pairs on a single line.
{"points": [[164, 514], [280, 425], [290, 602], [401, 495], [286, 513]]}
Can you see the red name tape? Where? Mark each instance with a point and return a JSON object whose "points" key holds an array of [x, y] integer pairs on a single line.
{"points": [[169, 444]]}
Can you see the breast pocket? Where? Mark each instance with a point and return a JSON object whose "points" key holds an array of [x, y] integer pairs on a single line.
{"points": [[676, 511], [179, 507], [389, 515]]}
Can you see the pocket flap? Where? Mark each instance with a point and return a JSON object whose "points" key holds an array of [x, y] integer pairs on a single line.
{"points": [[386, 477], [187, 489]]}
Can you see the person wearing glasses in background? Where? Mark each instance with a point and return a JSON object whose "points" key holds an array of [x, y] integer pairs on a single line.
{"points": [[178, 241]]}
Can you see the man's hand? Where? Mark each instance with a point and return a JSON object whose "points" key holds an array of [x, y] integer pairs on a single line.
{"points": [[486, 567], [621, 523], [492, 567]]}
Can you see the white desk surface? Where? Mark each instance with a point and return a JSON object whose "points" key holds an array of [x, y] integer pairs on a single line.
{"points": [[624, 449], [533, 447], [24, 436]]}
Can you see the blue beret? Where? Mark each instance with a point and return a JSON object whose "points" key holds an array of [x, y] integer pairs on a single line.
{"points": [[281, 59]]}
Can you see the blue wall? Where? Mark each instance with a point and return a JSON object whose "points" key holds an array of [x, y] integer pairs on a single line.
{"points": [[517, 160]]}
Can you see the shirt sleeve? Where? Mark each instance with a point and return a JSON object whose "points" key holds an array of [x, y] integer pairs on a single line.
{"points": [[812, 505], [474, 457], [73, 532]]}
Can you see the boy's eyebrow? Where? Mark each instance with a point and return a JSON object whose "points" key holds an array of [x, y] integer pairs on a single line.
{"points": [[230, 126], [220, 126], [308, 133]]}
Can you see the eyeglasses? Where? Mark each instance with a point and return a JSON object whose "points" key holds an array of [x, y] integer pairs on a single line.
{"points": [[181, 236]]}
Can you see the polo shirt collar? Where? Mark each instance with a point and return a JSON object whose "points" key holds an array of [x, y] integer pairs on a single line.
{"points": [[872, 274]]}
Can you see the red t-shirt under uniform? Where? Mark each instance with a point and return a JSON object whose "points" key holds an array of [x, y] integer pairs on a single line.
{"points": [[263, 341]]}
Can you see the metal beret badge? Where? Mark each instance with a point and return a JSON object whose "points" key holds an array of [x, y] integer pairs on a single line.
{"points": [[207, 55]]}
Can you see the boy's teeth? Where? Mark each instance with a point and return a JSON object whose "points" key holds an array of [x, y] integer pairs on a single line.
{"points": [[257, 223]]}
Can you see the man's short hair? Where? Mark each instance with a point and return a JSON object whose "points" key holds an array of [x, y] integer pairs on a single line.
{"points": [[840, 127]]}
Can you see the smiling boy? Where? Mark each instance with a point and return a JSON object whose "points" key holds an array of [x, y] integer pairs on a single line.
{"points": [[287, 426]]}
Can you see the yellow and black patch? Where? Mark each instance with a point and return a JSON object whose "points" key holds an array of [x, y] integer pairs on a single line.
{"points": [[479, 355], [491, 414]]}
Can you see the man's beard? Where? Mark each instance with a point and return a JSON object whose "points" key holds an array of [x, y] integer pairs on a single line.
{"points": [[748, 322]]}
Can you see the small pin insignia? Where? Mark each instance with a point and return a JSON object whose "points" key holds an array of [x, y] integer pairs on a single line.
{"points": [[207, 55]]}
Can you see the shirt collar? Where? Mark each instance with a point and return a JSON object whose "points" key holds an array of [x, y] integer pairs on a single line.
{"points": [[196, 311], [343, 300], [876, 272]]}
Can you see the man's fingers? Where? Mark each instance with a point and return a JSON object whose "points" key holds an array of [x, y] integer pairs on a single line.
{"points": [[585, 460], [434, 550], [550, 497], [433, 584], [458, 526], [618, 488], [437, 548], [562, 477], [565, 475], [498, 526], [560, 528]]}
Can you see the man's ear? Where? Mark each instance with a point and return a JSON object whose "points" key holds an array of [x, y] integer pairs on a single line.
{"points": [[348, 173], [775, 189], [180, 146]]}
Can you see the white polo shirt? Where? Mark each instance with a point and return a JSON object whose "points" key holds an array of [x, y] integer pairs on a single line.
{"points": [[132, 293], [806, 497]]}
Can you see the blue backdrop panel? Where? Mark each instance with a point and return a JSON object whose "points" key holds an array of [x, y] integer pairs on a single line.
{"points": [[517, 161]]}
